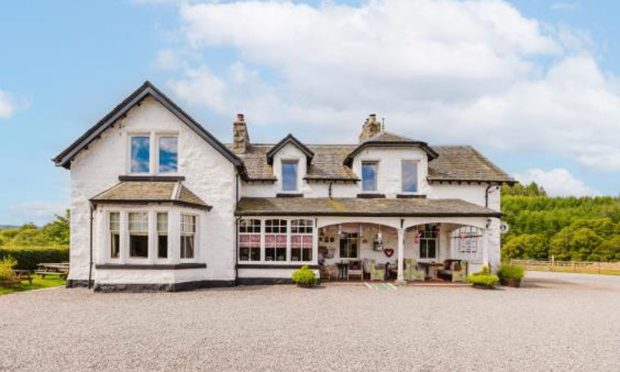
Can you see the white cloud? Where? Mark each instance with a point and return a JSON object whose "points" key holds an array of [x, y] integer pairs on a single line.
{"points": [[39, 212], [557, 182], [7, 105], [444, 71], [564, 5]]}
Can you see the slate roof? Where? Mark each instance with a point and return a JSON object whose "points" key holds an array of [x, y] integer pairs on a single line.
{"points": [[138, 192], [361, 207], [452, 164]]}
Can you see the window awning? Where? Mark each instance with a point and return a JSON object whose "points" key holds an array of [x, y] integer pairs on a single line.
{"points": [[138, 192], [377, 207]]}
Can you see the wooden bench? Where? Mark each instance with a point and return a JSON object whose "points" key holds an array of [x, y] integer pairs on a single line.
{"points": [[60, 269]]}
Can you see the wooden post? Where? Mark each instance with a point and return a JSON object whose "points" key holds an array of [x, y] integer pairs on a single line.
{"points": [[401, 255], [552, 262]]}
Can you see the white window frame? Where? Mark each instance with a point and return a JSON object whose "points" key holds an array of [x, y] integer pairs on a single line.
{"points": [[297, 181], [249, 235], [196, 236], [109, 240], [377, 163], [158, 233], [148, 235], [402, 176], [130, 136], [302, 235], [423, 238], [157, 137]]}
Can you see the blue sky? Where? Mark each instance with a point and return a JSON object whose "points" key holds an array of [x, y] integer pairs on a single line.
{"points": [[533, 84]]}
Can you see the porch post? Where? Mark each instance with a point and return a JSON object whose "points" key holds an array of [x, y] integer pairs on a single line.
{"points": [[485, 247], [401, 254]]}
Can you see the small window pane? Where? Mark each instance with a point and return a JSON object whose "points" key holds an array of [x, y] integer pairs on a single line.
{"points": [[139, 246], [369, 176], [188, 230], [162, 222], [168, 155], [138, 222], [289, 175], [140, 154], [115, 221], [162, 235], [410, 175], [115, 245], [162, 246]]}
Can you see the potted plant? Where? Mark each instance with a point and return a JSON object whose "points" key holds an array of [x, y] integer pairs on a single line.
{"points": [[304, 277], [8, 278], [484, 279], [510, 275]]}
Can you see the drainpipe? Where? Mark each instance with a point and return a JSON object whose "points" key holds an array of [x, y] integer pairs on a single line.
{"points": [[329, 190], [90, 267], [236, 234], [486, 195]]}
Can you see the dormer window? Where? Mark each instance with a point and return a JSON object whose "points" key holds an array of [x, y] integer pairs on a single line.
{"points": [[140, 154], [289, 175], [409, 175], [369, 176]]}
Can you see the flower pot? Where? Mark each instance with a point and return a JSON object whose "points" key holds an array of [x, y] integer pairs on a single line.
{"points": [[515, 283]]}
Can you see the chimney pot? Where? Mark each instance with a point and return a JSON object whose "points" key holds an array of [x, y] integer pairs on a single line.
{"points": [[240, 118]]}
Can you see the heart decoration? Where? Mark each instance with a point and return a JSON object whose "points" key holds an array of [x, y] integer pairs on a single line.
{"points": [[388, 252]]}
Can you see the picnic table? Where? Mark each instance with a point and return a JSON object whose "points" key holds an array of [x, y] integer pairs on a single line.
{"points": [[60, 269], [24, 275]]}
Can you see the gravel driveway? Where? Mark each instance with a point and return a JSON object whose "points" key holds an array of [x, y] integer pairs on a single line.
{"points": [[558, 322]]}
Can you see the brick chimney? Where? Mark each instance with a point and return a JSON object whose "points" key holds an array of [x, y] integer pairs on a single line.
{"points": [[241, 138], [370, 128]]}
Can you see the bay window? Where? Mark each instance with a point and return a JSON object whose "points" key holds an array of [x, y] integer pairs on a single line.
{"points": [[301, 240], [249, 240], [162, 235], [138, 234], [275, 240], [115, 234], [188, 235]]}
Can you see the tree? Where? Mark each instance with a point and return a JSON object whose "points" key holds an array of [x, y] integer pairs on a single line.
{"points": [[57, 231], [527, 246], [608, 250], [574, 244]]}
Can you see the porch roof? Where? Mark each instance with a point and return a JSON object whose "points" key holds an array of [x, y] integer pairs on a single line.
{"points": [[139, 192], [378, 207]]}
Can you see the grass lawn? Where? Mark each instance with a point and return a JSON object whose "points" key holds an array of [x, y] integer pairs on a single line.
{"points": [[37, 283]]}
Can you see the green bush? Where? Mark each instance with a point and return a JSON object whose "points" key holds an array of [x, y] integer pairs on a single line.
{"points": [[304, 277], [6, 268], [510, 271], [28, 258], [483, 278]]}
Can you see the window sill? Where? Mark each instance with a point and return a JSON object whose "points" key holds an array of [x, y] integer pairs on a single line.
{"points": [[370, 195], [289, 195], [276, 266], [411, 196], [180, 266], [150, 178]]}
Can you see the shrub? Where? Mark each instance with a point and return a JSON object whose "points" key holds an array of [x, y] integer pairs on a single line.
{"points": [[484, 278], [28, 258], [304, 277], [509, 271], [6, 269]]}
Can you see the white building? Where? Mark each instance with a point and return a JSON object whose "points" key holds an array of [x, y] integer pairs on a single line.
{"points": [[159, 203]]}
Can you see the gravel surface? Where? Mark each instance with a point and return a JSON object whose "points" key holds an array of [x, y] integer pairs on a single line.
{"points": [[557, 322]]}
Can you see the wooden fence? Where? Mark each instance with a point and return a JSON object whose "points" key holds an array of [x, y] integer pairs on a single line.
{"points": [[570, 266]]}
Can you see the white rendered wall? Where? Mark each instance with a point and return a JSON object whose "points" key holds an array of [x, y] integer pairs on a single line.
{"points": [[208, 174]]}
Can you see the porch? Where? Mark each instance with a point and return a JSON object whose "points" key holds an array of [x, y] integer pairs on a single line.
{"points": [[364, 239], [430, 252]]}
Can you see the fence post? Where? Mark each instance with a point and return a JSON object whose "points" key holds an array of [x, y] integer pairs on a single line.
{"points": [[552, 262], [574, 267], [599, 267]]}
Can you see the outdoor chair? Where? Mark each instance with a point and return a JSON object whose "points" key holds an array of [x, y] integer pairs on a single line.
{"points": [[454, 270], [375, 272], [355, 269], [412, 272], [328, 272]]}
